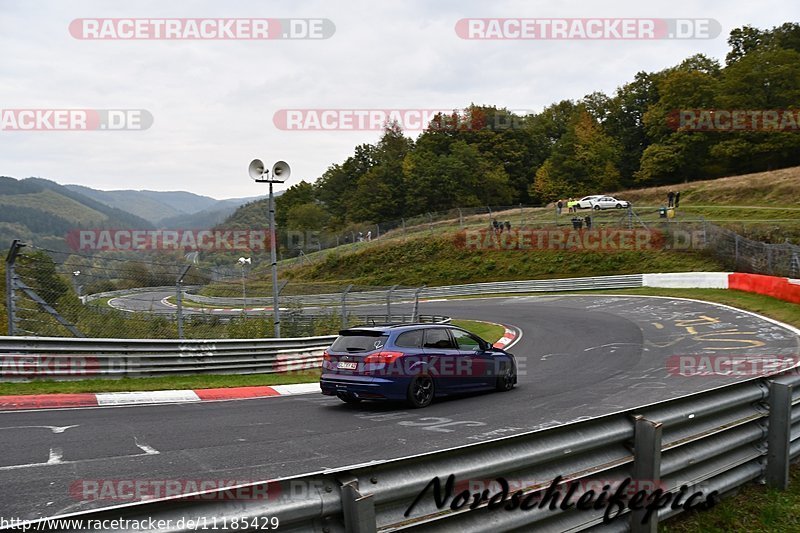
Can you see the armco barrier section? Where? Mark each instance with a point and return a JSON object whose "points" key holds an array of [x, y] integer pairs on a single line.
{"points": [[781, 288], [25, 358], [470, 289], [709, 442]]}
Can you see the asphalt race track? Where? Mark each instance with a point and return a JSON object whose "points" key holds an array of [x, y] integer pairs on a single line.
{"points": [[580, 356]]}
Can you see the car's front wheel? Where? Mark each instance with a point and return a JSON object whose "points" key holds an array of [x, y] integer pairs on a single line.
{"points": [[619, 206], [347, 397], [505, 381], [597, 208], [420, 391]]}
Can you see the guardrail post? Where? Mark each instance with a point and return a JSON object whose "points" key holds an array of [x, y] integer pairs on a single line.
{"points": [[646, 467], [389, 303], [415, 312], [179, 299], [358, 509], [779, 435], [11, 295], [344, 305]]}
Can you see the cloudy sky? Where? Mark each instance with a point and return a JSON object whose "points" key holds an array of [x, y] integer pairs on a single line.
{"points": [[213, 101]]}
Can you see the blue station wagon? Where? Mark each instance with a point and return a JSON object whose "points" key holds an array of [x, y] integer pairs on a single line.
{"points": [[414, 363]]}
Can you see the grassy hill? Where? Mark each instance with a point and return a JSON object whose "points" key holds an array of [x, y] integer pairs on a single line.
{"points": [[765, 206], [438, 260]]}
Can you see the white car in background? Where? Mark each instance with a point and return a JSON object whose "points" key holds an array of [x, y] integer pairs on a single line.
{"points": [[586, 201], [609, 202]]}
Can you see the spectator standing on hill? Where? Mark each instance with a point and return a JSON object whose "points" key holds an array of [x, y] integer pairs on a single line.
{"points": [[495, 224], [670, 199], [559, 207], [508, 225], [677, 198], [369, 235]]}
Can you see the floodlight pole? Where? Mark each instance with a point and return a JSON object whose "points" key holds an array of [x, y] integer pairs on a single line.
{"points": [[273, 258]]}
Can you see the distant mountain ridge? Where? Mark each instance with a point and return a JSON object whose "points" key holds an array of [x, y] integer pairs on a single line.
{"points": [[161, 206], [43, 212]]}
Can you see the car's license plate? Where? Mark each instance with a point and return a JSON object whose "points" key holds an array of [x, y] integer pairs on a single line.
{"points": [[347, 366]]}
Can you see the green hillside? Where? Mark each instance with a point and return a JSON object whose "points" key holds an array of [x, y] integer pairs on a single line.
{"points": [[438, 260]]}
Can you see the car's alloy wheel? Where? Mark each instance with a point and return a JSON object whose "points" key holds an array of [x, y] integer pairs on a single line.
{"points": [[505, 381], [597, 208], [420, 392], [347, 397], [619, 206]]}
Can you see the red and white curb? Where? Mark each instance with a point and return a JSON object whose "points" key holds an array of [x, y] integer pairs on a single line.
{"points": [[509, 337], [107, 399]]}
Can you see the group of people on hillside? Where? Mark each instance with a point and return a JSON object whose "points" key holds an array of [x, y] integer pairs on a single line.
{"points": [[673, 199], [571, 205], [499, 226]]}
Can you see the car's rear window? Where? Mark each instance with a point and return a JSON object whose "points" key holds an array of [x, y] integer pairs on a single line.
{"points": [[359, 341], [409, 339]]}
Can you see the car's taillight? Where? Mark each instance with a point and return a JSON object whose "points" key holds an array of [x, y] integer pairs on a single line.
{"points": [[326, 356], [383, 357]]}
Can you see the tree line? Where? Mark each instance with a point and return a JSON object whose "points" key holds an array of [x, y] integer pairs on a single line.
{"points": [[487, 155]]}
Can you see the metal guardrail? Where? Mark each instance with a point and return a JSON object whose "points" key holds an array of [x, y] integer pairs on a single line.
{"points": [[126, 292], [23, 358], [470, 289], [710, 441], [63, 358]]}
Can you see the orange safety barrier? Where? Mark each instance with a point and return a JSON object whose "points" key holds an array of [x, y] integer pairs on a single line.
{"points": [[780, 288]]}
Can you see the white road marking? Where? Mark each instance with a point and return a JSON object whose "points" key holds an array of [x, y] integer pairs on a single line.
{"points": [[56, 454], [54, 429], [149, 450]]}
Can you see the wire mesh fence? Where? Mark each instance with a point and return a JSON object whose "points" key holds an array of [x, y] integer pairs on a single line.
{"points": [[55, 293]]}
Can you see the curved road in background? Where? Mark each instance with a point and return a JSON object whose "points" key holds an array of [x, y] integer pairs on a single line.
{"points": [[580, 356]]}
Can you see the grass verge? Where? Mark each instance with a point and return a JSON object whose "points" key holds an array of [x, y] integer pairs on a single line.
{"points": [[485, 330], [754, 509]]}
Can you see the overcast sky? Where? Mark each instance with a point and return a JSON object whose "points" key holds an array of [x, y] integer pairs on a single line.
{"points": [[213, 102]]}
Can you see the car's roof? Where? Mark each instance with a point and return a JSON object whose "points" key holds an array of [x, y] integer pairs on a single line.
{"points": [[386, 328]]}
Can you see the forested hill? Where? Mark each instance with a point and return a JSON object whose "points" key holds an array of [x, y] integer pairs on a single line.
{"points": [[43, 212]]}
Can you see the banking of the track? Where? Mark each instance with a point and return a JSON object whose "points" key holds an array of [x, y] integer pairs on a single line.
{"points": [[579, 357]]}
